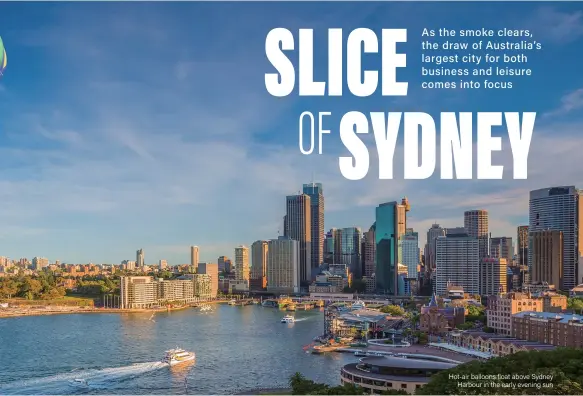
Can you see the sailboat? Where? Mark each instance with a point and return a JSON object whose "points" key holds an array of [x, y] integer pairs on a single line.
{"points": [[152, 317]]}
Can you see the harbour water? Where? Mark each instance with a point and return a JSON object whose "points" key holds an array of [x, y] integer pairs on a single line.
{"points": [[237, 349]]}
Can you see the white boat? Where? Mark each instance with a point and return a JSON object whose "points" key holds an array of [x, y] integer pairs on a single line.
{"points": [[288, 319], [233, 302], [78, 382], [206, 308], [177, 356]]}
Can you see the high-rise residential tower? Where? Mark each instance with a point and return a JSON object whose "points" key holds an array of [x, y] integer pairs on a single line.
{"points": [[140, 258], [212, 270], [476, 225], [316, 194], [298, 227], [457, 262], [391, 223], [559, 209], [242, 264], [283, 272], [258, 259], [194, 256]]}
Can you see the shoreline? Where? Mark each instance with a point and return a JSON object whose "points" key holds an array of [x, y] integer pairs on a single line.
{"points": [[7, 313]]}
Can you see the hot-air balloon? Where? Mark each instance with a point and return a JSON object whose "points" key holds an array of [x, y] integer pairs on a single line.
{"points": [[3, 58]]}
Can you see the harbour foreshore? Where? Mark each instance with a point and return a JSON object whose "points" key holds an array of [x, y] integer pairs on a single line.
{"points": [[14, 312]]}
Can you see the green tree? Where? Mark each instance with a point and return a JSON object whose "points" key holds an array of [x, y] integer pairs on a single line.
{"points": [[575, 303], [31, 288], [562, 368], [8, 288], [302, 386], [394, 310]]}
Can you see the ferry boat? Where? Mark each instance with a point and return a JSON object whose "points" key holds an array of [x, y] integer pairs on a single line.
{"points": [[288, 319], [177, 356], [233, 302]]}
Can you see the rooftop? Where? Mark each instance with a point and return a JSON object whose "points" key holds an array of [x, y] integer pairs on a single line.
{"points": [[390, 361], [562, 318]]}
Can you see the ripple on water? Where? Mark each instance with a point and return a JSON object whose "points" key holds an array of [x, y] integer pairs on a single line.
{"points": [[237, 348]]}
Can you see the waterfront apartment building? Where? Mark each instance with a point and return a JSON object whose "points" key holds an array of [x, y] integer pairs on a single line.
{"points": [[194, 256], [457, 262], [147, 292], [140, 258], [138, 292], [501, 308], [502, 247], [390, 225], [493, 276], [561, 330], [259, 259], [316, 194], [297, 226], [547, 257], [410, 247], [522, 245], [242, 265], [211, 270], [476, 225], [283, 271], [559, 209]]}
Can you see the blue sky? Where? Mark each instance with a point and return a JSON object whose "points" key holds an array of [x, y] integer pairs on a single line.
{"points": [[148, 125]]}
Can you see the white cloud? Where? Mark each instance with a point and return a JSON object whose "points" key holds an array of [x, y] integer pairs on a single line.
{"points": [[183, 152]]}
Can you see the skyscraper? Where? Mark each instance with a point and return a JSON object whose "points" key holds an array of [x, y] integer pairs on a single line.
{"points": [[163, 264], [242, 264], [432, 234], [258, 259], [410, 247], [501, 247], [522, 245], [391, 223], [333, 247], [212, 270], [559, 209], [369, 251], [547, 257], [224, 264], [476, 224], [194, 256], [316, 194], [283, 272], [350, 248], [140, 258], [298, 227], [457, 262]]}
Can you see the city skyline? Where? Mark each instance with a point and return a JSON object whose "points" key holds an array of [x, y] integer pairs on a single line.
{"points": [[106, 146]]}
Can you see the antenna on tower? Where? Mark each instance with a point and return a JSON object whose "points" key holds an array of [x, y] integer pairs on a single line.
{"points": [[313, 179]]}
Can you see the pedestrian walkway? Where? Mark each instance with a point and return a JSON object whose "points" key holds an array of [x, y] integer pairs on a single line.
{"points": [[458, 349]]}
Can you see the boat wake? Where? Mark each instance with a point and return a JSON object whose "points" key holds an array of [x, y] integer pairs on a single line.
{"points": [[300, 319], [79, 379]]}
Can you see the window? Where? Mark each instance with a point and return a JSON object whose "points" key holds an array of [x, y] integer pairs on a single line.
{"points": [[403, 386]]}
